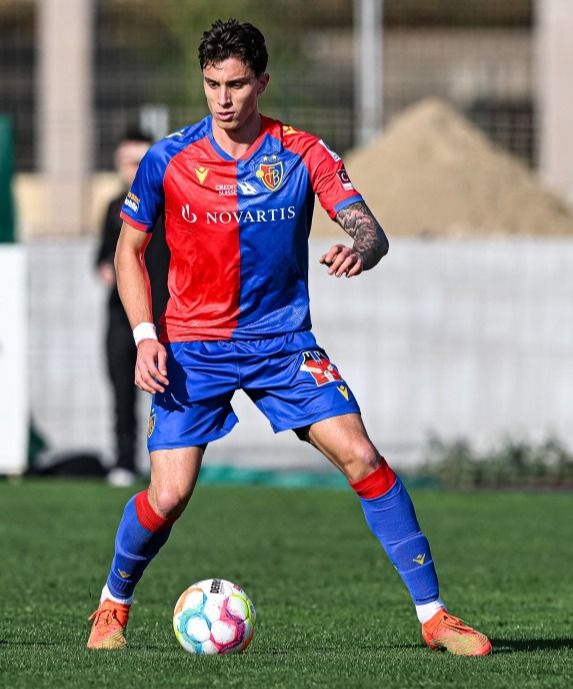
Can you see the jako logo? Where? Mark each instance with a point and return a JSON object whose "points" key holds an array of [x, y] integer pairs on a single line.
{"points": [[187, 214]]}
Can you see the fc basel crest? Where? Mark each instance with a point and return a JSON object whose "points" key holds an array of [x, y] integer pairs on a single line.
{"points": [[271, 172], [151, 423]]}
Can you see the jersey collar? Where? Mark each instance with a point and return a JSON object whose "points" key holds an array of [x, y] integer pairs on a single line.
{"points": [[253, 148]]}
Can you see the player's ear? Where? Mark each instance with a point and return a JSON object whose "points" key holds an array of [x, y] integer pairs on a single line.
{"points": [[263, 83]]}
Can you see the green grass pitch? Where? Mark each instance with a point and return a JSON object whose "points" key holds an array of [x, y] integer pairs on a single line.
{"points": [[331, 610]]}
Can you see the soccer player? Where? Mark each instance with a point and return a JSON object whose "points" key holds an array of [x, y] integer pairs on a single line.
{"points": [[237, 193]]}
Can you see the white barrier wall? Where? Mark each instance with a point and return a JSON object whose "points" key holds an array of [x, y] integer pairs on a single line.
{"points": [[464, 339], [14, 402]]}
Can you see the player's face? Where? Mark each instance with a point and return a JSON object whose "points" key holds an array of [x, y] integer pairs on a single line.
{"points": [[232, 90]]}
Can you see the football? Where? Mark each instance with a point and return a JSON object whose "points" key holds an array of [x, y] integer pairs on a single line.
{"points": [[214, 616]]}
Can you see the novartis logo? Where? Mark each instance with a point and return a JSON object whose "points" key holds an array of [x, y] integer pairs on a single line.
{"points": [[187, 214], [256, 215]]}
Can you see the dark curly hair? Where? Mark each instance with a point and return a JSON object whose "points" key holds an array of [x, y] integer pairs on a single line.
{"points": [[234, 39]]}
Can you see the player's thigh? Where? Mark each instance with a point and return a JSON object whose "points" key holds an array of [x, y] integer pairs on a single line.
{"points": [[195, 408], [173, 426], [174, 474], [344, 441]]}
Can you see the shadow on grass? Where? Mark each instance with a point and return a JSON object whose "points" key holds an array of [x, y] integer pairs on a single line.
{"points": [[525, 645], [288, 649], [500, 646]]}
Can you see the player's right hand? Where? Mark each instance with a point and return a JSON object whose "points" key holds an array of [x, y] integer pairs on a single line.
{"points": [[150, 367]]}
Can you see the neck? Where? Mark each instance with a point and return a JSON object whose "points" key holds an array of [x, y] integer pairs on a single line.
{"points": [[237, 142]]}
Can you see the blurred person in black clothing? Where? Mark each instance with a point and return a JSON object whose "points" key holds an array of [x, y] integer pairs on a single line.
{"points": [[120, 349]]}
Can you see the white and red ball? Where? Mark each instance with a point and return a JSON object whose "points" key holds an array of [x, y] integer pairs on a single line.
{"points": [[213, 617]]}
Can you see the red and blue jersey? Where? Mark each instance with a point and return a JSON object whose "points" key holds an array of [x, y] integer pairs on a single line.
{"points": [[237, 229]]}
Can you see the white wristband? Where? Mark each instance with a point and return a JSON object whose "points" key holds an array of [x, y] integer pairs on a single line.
{"points": [[144, 331]]}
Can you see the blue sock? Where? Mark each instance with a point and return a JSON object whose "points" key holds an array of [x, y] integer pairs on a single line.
{"points": [[140, 536], [391, 517]]}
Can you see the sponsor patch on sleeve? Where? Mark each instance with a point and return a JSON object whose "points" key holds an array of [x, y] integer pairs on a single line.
{"points": [[132, 201], [345, 179]]}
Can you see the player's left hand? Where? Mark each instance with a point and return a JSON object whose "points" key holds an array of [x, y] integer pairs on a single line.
{"points": [[342, 260]]}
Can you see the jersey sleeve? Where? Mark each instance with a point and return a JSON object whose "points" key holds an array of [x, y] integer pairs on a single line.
{"points": [[145, 201], [329, 178]]}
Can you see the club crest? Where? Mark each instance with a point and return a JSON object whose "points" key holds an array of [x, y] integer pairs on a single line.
{"points": [[271, 173], [320, 368], [151, 423]]}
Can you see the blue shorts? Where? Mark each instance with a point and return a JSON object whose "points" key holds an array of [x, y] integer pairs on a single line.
{"points": [[290, 379]]}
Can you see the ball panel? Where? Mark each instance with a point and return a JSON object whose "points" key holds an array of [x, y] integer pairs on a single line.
{"points": [[224, 633], [253, 612], [214, 606], [189, 646], [191, 598], [247, 638], [237, 607], [210, 649], [196, 627]]}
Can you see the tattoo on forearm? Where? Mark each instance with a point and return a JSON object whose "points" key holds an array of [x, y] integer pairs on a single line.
{"points": [[369, 238]]}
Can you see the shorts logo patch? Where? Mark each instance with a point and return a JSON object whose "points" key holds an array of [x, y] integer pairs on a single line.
{"points": [[151, 423], [343, 390], [319, 367]]}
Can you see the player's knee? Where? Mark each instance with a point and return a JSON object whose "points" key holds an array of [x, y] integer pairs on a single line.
{"points": [[376, 483], [365, 459], [170, 501]]}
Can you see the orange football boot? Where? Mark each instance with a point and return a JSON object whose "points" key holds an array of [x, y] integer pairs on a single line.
{"points": [[444, 632], [110, 620]]}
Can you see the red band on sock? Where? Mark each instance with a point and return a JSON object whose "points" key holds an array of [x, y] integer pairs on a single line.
{"points": [[148, 517], [375, 484]]}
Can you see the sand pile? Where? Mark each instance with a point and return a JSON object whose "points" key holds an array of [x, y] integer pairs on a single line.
{"points": [[433, 173]]}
